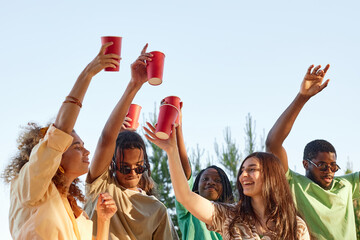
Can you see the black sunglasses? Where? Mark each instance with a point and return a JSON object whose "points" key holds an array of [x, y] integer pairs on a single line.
{"points": [[324, 166], [126, 169]]}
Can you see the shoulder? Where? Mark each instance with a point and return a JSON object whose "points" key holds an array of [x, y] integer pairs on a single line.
{"points": [[351, 178], [225, 208], [302, 230], [293, 177]]}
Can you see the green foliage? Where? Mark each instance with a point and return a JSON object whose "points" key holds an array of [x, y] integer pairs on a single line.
{"points": [[195, 158], [250, 136], [229, 156]]}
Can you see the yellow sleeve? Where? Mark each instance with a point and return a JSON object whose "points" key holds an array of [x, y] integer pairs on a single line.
{"points": [[35, 176]]}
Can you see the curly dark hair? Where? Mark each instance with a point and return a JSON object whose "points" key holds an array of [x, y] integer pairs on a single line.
{"points": [[27, 140], [227, 195], [312, 149], [130, 140], [280, 207]]}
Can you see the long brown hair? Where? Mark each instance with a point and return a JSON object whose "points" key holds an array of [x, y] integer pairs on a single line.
{"points": [[278, 200], [27, 140]]}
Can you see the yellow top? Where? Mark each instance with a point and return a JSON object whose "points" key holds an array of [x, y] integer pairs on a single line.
{"points": [[37, 210]]}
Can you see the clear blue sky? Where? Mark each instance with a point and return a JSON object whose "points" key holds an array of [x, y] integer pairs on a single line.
{"points": [[223, 59]]}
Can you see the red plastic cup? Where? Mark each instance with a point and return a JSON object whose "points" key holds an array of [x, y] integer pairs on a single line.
{"points": [[155, 68], [167, 116], [175, 101], [115, 48], [134, 114]]}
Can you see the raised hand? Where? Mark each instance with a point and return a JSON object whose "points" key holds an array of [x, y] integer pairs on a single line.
{"points": [[167, 145], [313, 81], [102, 61], [138, 68], [105, 207], [126, 124]]}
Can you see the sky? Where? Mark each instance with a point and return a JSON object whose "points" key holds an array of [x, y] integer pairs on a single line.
{"points": [[224, 59]]}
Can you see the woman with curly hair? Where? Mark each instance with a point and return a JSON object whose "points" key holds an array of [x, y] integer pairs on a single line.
{"points": [[265, 209], [44, 174]]}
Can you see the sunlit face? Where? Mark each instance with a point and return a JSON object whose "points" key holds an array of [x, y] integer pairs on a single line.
{"points": [[75, 159], [251, 178], [210, 186], [323, 178], [133, 158]]}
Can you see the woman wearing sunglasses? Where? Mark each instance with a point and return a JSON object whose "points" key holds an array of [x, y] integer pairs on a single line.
{"points": [[265, 209], [44, 174], [121, 167]]}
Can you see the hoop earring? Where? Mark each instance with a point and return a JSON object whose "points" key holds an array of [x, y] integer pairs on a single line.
{"points": [[61, 169]]}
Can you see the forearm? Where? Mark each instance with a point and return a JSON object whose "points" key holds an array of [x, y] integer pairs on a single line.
{"points": [[103, 227], [117, 116], [200, 207], [182, 152], [69, 112], [107, 141], [284, 124]]}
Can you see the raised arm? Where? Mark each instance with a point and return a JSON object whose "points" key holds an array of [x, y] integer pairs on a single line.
{"points": [[182, 149], [46, 156], [310, 86], [107, 141], [70, 108], [200, 207]]}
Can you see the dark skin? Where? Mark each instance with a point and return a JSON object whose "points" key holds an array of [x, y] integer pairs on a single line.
{"points": [[323, 178]]}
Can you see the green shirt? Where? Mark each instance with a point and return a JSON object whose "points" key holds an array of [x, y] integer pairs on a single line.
{"points": [[191, 227], [329, 214]]}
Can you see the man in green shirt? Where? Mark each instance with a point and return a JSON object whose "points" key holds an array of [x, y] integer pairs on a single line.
{"points": [[323, 200]]}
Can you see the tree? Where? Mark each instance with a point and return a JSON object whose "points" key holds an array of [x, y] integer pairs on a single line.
{"points": [[229, 156], [195, 158]]}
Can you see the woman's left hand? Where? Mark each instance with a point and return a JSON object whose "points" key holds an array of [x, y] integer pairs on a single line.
{"points": [[167, 145], [105, 207]]}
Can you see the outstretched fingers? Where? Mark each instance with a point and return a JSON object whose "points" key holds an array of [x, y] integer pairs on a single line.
{"points": [[324, 85], [315, 71], [144, 48], [326, 68], [309, 69]]}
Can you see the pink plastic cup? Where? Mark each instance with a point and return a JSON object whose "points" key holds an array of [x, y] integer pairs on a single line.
{"points": [[155, 68], [115, 48], [175, 101], [134, 114], [167, 116]]}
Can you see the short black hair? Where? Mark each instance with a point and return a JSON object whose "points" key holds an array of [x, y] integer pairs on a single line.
{"points": [[314, 147], [227, 195]]}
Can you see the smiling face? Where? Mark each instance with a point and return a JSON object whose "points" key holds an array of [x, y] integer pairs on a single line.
{"points": [[251, 178], [133, 158], [210, 186], [75, 159], [323, 178]]}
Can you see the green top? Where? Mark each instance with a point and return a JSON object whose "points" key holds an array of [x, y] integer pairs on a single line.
{"points": [[191, 227], [329, 214]]}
